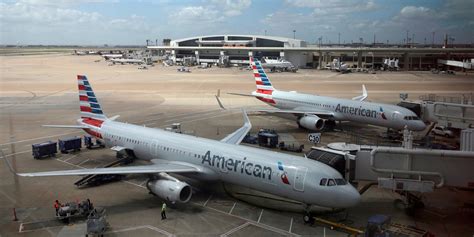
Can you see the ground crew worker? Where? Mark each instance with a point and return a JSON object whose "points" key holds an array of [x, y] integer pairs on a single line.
{"points": [[163, 211], [57, 205]]}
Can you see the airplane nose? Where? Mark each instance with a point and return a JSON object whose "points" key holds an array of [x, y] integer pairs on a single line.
{"points": [[351, 196], [419, 126]]}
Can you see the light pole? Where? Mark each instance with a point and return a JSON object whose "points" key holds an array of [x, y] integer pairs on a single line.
{"points": [[294, 34], [432, 39], [339, 38], [265, 32]]}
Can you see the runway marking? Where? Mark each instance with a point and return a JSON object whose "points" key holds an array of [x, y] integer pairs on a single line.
{"points": [[164, 232], [83, 162], [36, 138], [16, 153], [70, 158], [205, 203], [291, 225], [260, 217], [230, 212], [235, 229]]}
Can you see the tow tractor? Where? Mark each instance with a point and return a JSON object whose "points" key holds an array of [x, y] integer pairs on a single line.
{"points": [[74, 209]]}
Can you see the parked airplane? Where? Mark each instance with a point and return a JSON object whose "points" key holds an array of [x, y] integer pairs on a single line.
{"points": [[302, 179], [127, 60], [313, 111], [109, 56], [278, 65]]}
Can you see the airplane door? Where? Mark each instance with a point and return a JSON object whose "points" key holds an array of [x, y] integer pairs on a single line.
{"points": [[300, 176], [153, 148]]}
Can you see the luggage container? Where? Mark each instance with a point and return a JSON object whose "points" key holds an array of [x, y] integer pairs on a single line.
{"points": [[41, 150], [70, 144], [267, 138]]}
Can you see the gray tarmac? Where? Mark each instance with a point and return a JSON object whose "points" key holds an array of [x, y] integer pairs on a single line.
{"points": [[41, 89]]}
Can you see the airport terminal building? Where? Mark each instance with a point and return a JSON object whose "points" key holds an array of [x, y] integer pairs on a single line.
{"points": [[235, 49]]}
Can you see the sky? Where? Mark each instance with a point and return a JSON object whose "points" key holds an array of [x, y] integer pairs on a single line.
{"points": [[127, 22]]}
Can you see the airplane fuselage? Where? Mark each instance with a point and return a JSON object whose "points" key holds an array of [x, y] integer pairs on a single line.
{"points": [[280, 174], [385, 115]]}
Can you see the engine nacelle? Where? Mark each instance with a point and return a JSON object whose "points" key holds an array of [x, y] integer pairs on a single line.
{"points": [[173, 191], [311, 122]]}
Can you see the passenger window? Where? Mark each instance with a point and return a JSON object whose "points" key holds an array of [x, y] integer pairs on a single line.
{"points": [[331, 182], [323, 182]]}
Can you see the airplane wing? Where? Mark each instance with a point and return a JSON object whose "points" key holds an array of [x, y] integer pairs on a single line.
{"points": [[239, 134], [155, 168], [296, 111], [363, 96]]}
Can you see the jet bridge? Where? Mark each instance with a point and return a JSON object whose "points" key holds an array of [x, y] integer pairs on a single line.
{"points": [[450, 112]]}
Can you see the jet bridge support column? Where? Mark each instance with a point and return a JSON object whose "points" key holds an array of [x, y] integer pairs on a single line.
{"points": [[197, 57], [359, 59], [320, 60], [406, 61]]}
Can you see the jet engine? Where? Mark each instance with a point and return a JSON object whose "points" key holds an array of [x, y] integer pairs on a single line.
{"points": [[171, 190], [311, 122]]}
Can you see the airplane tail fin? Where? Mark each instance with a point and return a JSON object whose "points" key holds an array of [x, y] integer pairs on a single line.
{"points": [[264, 85], [89, 105]]}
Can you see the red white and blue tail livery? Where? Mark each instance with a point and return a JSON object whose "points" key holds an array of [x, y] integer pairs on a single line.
{"points": [[264, 86], [92, 116]]}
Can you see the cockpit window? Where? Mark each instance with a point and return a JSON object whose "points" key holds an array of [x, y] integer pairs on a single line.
{"points": [[331, 182], [341, 182], [323, 182]]}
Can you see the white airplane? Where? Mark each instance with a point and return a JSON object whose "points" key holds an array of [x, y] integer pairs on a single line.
{"points": [[298, 178], [313, 112], [109, 56], [127, 60]]}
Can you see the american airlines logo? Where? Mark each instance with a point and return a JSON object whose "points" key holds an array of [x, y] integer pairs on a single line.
{"points": [[238, 166], [284, 177], [359, 111]]}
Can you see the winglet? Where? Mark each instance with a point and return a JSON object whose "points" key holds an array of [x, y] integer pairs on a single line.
{"points": [[220, 103], [239, 134], [363, 96]]}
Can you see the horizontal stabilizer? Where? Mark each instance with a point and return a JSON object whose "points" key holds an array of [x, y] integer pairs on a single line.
{"points": [[65, 126], [113, 118], [240, 94]]}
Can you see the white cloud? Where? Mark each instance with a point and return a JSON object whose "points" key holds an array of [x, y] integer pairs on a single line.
{"points": [[196, 14], [133, 23], [212, 11], [417, 12], [335, 7], [24, 13], [232, 7]]}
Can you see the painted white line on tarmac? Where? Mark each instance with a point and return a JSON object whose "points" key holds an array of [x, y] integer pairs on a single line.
{"points": [[260, 217], [230, 212], [164, 232], [16, 153], [235, 229], [37, 138], [210, 196], [83, 162]]}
